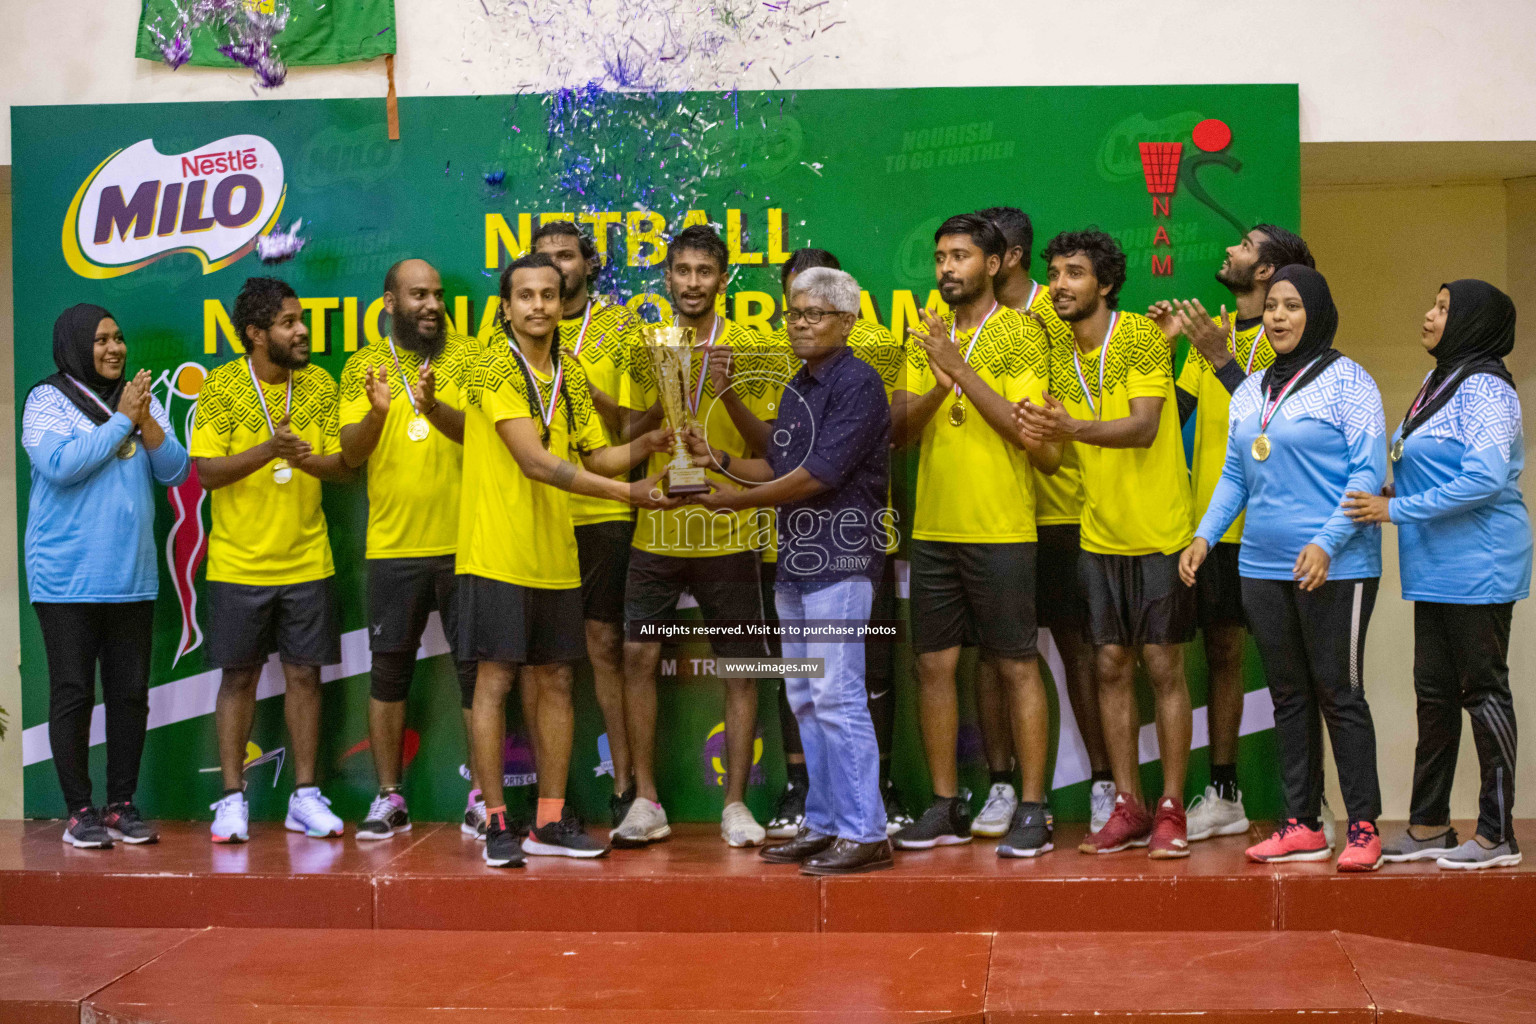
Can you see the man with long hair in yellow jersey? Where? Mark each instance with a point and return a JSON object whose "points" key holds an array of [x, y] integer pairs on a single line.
{"points": [[973, 531], [706, 553], [1112, 398], [1223, 351], [1058, 594], [871, 343], [532, 437], [599, 335]]}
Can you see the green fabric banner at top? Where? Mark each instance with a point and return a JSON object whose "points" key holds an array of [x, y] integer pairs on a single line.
{"points": [[316, 33]]}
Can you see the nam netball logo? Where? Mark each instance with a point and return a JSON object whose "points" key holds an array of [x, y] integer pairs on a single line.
{"points": [[140, 205]]}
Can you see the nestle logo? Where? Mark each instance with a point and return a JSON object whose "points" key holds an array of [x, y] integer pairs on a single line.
{"points": [[203, 164]]}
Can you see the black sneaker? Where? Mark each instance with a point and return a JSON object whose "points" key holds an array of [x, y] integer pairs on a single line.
{"points": [[86, 832], [618, 804], [501, 847], [122, 822], [1029, 833], [788, 812], [386, 816], [896, 816], [563, 838], [946, 822]]}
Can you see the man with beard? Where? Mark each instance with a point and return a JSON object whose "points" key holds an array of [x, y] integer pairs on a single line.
{"points": [[1223, 351], [1058, 594], [973, 535], [1112, 397], [599, 334], [402, 415], [704, 552], [264, 438]]}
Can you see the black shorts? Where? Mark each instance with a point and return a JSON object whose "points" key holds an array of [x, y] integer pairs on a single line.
{"points": [[402, 592], [247, 623], [603, 551], [974, 593], [1218, 590], [1058, 585], [1137, 599], [726, 586], [880, 651], [507, 622]]}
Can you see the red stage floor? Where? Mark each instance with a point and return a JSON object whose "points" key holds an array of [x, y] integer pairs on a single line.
{"points": [[433, 879], [262, 976]]}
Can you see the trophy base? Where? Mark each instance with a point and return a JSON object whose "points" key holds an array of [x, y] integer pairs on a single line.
{"points": [[682, 482]]}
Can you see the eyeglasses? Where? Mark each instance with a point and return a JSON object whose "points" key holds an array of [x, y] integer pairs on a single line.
{"points": [[812, 316]]}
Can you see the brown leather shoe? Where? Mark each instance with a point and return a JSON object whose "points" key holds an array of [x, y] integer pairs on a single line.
{"points": [[850, 858], [806, 844]]}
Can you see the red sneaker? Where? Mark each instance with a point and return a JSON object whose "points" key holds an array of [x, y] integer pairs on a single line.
{"points": [[1170, 834], [1130, 825], [1292, 841], [1363, 852]]}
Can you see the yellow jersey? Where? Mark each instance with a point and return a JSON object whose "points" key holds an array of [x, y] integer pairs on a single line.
{"points": [[1136, 501], [511, 528], [413, 485], [692, 531], [601, 339], [266, 533], [1059, 496], [974, 486], [1251, 350]]}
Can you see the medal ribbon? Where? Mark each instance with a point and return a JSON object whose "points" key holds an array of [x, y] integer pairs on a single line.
{"points": [[1268, 412], [1114, 319], [1034, 289], [1256, 339], [586, 321], [698, 390], [547, 416], [263, 398], [398, 369], [975, 337], [1418, 402], [93, 396]]}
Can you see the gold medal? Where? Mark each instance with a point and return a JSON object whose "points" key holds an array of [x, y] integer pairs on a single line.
{"points": [[957, 414], [1397, 450], [282, 472], [1261, 447], [127, 448], [418, 428]]}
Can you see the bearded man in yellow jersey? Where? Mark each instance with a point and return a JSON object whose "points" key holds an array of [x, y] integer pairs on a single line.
{"points": [[708, 554], [973, 534], [402, 415], [1058, 594], [1224, 351], [873, 344], [532, 436], [1112, 398], [264, 439], [599, 335]]}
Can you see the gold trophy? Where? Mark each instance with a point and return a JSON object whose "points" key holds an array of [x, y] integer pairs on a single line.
{"points": [[671, 351]]}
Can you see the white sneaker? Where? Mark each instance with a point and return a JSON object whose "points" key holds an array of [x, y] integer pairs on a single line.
{"points": [[310, 813], [231, 819], [644, 823], [997, 813], [474, 817], [1209, 815], [1101, 804], [739, 828], [1330, 827]]}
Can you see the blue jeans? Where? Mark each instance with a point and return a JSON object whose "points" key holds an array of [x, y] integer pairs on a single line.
{"points": [[841, 755]]}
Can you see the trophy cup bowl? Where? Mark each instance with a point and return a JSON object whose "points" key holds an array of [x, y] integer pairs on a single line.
{"points": [[671, 353]]}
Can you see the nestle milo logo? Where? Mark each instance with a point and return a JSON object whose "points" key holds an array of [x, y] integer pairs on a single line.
{"points": [[1120, 153]]}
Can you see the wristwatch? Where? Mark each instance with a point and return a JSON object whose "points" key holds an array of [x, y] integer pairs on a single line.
{"points": [[723, 460]]}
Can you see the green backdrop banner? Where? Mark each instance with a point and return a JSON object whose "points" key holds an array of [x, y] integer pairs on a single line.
{"points": [[152, 211]]}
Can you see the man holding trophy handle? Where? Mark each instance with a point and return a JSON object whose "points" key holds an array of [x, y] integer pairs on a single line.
{"points": [[529, 417]]}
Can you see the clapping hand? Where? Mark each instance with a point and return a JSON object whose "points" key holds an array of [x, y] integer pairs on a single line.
{"points": [[943, 355], [376, 387], [1208, 337], [425, 389], [720, 359], [288, 445], [1038, 424], [134, 401]]}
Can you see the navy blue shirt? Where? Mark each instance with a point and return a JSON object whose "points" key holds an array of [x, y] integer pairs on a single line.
{"points": [[835, 423]]}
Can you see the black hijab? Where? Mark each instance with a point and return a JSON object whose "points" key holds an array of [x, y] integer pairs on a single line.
{"points": [[1479, 333], [1316, 338], [74, 344]]}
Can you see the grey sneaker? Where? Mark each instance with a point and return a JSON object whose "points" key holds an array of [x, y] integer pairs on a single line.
{"points": [[645, 823], [739, 828], [1330, 826], [1403, 847], [1101, 802], [1472, 855], [1209, 815], [996, 815]]}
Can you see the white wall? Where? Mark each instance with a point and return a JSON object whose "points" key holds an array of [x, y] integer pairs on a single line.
{"points": [[1392, 70]]}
